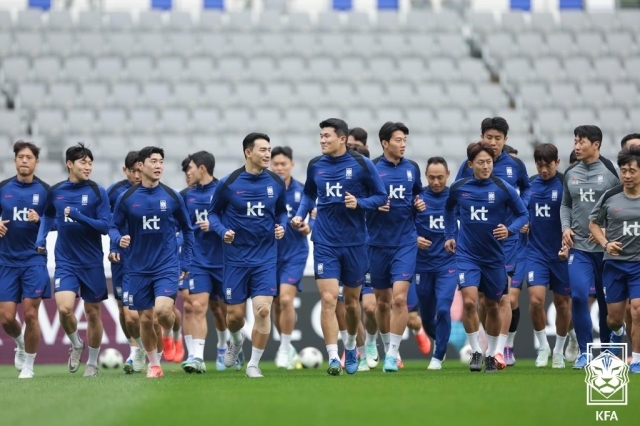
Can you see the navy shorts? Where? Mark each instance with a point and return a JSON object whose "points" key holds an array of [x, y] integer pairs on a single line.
{"points": [[117, 276], [492, 281], [290, 272], [621, 280], [144, 289], [209, 280], [366, 288], [244, 282], [520, 274], [88, 283], [26, 282], [438, 284], [346, 264], [510, 248], [585, 269], [552, 274], [391, 264], [125, 290], [412, 298]]}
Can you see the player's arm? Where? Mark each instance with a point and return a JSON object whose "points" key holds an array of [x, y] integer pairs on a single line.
{"points": [[450, 216], [118, 221], [309, 194], [218, 206], [418, 202], [282, 218], [524, 184], [180, 238], [47, 222], [519, 209], [103, 213], [462, 170], [598, 220], [182, 217], [566, 205], [378, 196]]}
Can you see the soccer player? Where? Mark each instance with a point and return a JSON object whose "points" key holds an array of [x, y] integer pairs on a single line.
{"points": [[544, 268], [293, 251], [584, 184], [618, 213], [24, 277], [79, 208], [345, 184], [151, 212], [357, 138], [392, 238], [249, 212], [486, 204], [494, 131], [436, 276]]}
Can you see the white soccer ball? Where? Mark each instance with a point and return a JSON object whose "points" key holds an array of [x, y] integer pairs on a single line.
{"points": [[465, 354], [310, 357], [110, 358]]}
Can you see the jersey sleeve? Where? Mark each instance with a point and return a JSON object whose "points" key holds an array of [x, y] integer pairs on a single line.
{"points": [[378, 194], [524, 184], [566, 205], [310, 193], [518, 208], [417, 182], [182, 217], [282, 218], [462, 170], [47, 221], [450, 222], [218, 206], [118, 221], [599, 213], [103, 213]]}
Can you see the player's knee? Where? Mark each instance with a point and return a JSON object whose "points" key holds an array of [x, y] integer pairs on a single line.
{"points": [[65, 311], [198, 308], [369, 309], [399, 301], [7, 317], [31, 317], [469, 305], [284, 301], [634, 310], [536, 303], [262, 314], [328, 300]]}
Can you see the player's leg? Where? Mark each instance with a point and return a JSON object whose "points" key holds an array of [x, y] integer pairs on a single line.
{"points": [[628, 322], [469, 280], [493, 283], [605, 331], [370, 326], [94, 333], [67, 287], [236, 280], [219, 311], [117, 275], [482, 313], [287, 318], [187, 321], [178, 357], [634, 291], [616, 275], [415, 323], [444, 284], [341, 312], [360, 342], [514, 299], [10, 296], [150, 337], [201, 286], [380, 270], [539, 278], [581, 277], [93, 286], [558, 281], [506, 310]]}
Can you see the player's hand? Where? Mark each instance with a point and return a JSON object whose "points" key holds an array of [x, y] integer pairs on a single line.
{"points": [[229, 236], [386, 207], [613, 248], [350, 201], [567, 238], [501, 232], [41, 249], [204, 225], [279, 232], [592, 239], [114, 257], [563, 254], [423, 243], [304, 229], [314, 213], [525, 229], [33, 216], [450, 246], [419, 204], [3, 228], [125, 241], [66, 211], [296, 222], [183, 275]]}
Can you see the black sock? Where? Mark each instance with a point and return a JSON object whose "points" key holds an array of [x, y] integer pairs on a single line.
{"points": [[515, 319]]}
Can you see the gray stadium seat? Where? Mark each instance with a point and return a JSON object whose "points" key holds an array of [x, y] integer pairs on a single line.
{"points": [[576, 116], [620, 44], [49, 122], [362, 116], [359, 22], [624, 94], [300, 22], [492, 95], [453, 144], [603, 21], [461, 95], [453, 45], [150, 20], [32, 95], [29, 43], [574, 21], [443, 69], [108, 69], [613, 120], [412, 69], [112, 121], [543, 22], [187, 94], [210, 20], [90, 44], [200, 69], [268, 120], [628, 20], [368, 94], [15, 68], [363, 45], [180, 21], [240, 21], [514, 22], [305, 45], [270, 20], [292, 69], [143, 120], [175, 120], [341, 95], [384, 114], [473, 70], [561, 45], [420, 120], [401, 94], [551, 121], [548, 70], [451, 119], [355, 69], [60, 20], [122, 44], [279, 94], [482, 22], [125, 95], [388, 21], [232, 68], [156, 95], [10, 123], [261, 69], [170, 69], [276, 44], [45, 68], [476, 115], [237, 119], [5, 20], [82, 121], [175, 146], [6, 44], [90, 20], [534, 96], [329, 22], [184, 44], [591, 44], [120, 21], [322, 69], [247, 94], [245, 45], [393, 45], [564, 95], [139, 68], [218, 94], [30, 19], [499, 46], [531, 45], [63, 95], [517, 71], [206, 120], [298, 120], [60, 44], [152, 44], [611, 70], [595, 95], [579, 69], [94, 95], [78, 68]]}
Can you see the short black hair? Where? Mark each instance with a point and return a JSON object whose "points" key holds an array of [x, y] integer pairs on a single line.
{"points": [[362, 150], [573, 158], [20, 145], [495, 123], [185, 164], [203, 158], [131, 159], [545, 153], [78, 152], [629, 155], [148, 151], [590, 132], [437, 160], [626, 139], [509, 149], [476, 148], [282, 150], [338, 125], [251, 138], [389, 127], [359, 134]]}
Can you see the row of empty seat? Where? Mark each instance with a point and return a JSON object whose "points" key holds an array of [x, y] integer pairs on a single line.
{"points": [[567, 95]]}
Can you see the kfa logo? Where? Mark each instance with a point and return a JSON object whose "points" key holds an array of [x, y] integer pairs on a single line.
{"points": [[289, 211], [530, 276], [396, 192], [436, 222], [192, 284], [349, 173], [269, 191], [417, 279], [152, 223], [85, 200], [297, 196], [21, 215], [570, 259], [492, 197], [163, 205], [334, 190], [479, 214], [255, 209], [631, 229], [542, 210], [228, 293], [587, 196], [607, 376], [367, 278], [509, 172], [320, 268], [461, 278], [36, 199], [201, 215], [409, 176], [554, 195], [600, 179], [68, 219]]}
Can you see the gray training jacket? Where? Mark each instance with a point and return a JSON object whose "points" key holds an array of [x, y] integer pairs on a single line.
{"points": [[584, 185]]}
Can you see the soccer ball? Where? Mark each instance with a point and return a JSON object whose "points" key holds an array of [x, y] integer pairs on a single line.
{"points": [[111, 358], [310, 358], [465, 354]]}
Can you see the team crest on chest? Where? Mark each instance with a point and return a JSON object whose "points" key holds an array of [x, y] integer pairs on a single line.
{"points": [[554, 195], [163, 205], [600, 179], [297, 196], [492, 197], [509, 172], [574, 181], [409, 176], [349, 173], [36, 199], [85, 200], [270, 191]]}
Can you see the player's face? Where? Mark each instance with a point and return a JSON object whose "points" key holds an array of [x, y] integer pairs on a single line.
{"points": [[330, 142], [632, 142], [397, 145], [153, 167], [80, 169], [193, 174], [437, 175], [26, 162], [630, 175], [282, 165], [496, 139], [585, 148], [351, 142], [482, 165], [260, 154], [133, 174], [547, 170]]}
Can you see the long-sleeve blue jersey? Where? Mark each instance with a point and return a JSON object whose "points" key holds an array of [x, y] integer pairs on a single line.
{"points": [[79, 241], [16, 199], [545, 226], [207, 246], [430, 225], [396, 227], [484, 204], [294, 246], [251, 206], [151, 217], [329, 179], [114, 191]]}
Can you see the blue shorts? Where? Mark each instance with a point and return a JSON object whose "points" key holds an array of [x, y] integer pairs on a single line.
{"points": [[290, 272], [520, 274], [144, 289], [346, 264], [621, 280], [244, 282], [391, 264], [438, 284], [182, 285], [366, 288], [585, 270], [125, 290], [26, 282], [412, 298], [88, 283], [202, 280], [553, 274], [492, 281], [117, 275], [510, 248]]}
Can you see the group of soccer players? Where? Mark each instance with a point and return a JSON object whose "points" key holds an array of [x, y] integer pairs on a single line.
{"points": [[379, 238]]}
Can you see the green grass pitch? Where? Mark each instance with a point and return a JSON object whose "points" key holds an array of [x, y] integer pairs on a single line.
{"points": [[521, 395]]}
